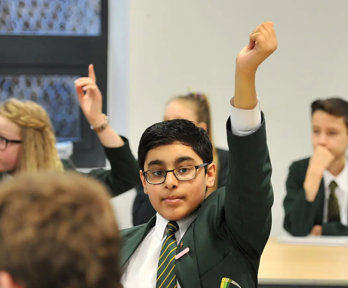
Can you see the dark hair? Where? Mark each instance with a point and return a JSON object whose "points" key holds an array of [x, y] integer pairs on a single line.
{"points": [[334, 106], [181, 130], [58, 230]]}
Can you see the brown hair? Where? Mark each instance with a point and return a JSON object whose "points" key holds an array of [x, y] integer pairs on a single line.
{"points": [[58, 230], [38, 151], [200, 104], [334, 106]]}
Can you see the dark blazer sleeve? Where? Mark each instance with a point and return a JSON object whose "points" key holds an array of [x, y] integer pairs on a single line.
{"points": [[249, 193], [223, 167], [142, 209], [300, 214], [124, 172]]}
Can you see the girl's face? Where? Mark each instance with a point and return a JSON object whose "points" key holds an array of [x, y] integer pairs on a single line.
{"points": [[9, 155], [179, 110]]}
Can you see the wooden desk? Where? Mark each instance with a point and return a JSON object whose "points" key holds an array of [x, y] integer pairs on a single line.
{"points": [[289, 265]]}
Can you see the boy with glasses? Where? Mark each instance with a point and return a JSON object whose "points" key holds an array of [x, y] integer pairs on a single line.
{"points": [[217, 241]]}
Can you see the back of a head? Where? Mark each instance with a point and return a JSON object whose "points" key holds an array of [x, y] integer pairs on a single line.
{"points": [[58, 230], [179, 130], [334, 106], [38, 150]]}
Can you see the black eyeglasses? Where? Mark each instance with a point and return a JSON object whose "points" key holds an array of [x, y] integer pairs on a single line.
{"points": [[4, 142], [183, 173]]}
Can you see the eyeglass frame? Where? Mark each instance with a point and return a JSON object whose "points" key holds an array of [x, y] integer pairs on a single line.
{"points": [[172, 170], [4, 139]]}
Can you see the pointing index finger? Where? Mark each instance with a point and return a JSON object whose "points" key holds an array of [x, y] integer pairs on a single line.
{"points": [[91, 73]]}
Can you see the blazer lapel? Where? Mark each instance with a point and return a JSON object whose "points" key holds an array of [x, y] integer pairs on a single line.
{"points": [[132, 237], [186, 264]]}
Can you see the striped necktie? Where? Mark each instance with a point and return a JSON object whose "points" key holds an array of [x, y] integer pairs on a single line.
{"points": [[166, 274], [333, 212]]}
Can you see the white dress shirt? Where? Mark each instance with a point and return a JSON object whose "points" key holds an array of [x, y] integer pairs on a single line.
{"points": [[341, 193], [141, 269]]}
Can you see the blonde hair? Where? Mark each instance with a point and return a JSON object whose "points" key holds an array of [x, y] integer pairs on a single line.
{"points": [[199, 103], [38, 151]]}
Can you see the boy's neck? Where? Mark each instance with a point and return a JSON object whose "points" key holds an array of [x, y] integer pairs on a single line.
{"points": [[337, 166]]}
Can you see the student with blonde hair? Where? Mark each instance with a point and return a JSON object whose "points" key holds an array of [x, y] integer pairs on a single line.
{"points": [[196, 108], [27, 140]]}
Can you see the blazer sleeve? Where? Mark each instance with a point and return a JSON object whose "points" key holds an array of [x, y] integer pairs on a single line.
{"points": [[249, 193], [334, 229], [124, 172], [300, 214], [142, 210]]}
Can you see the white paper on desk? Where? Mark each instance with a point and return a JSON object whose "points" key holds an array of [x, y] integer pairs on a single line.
{"points": [[314, 240]]}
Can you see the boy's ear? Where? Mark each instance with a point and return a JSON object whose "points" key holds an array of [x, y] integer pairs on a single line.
{"points": [[6, 280], [143, 181], [211, 174]]}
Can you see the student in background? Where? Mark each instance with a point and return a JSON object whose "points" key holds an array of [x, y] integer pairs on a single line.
{"points": [[194, 107], [196, 241], [57, 230], [27, 140], [316, 202]]}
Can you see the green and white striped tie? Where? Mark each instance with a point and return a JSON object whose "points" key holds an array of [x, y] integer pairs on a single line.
{"points": [[166, 274]]}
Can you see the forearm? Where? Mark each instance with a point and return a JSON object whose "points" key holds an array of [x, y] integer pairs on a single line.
{"points": [[312, 181], [109, 138], [245, 91]]}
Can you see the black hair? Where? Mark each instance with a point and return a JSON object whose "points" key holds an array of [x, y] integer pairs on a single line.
{"points": [[334, 106], [168, 132]]}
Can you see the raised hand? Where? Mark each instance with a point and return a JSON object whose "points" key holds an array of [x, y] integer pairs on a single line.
{"points": [[262, 43], [90, 97]]}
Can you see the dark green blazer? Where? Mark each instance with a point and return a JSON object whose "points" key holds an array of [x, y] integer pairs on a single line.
{"points": [[301, 215], [233, 223]]}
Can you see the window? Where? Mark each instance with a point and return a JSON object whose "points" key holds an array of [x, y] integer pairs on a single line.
{"points": [[45, 46]]}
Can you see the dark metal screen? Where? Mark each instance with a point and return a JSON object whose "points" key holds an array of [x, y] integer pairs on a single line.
{"points": [[50, 17], [56, 93]]}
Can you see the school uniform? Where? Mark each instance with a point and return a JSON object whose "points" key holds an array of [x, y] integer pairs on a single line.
{"points": [[300, 214], [227, 234]]}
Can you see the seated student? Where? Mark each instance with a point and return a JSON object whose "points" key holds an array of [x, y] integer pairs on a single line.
{"points": [[57, 231], [317, 187], [194, 107], [220, 238], [27, 140]]}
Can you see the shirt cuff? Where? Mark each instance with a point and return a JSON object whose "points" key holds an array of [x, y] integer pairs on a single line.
{"points": [[245, 121]]}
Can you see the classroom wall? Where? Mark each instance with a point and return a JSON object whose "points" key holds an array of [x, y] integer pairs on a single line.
{"points": [[161, 48]]}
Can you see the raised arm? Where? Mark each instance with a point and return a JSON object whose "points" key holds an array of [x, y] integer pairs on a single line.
{"points": [[91, 103], [249, 194], [124, 173], [262, 43]]}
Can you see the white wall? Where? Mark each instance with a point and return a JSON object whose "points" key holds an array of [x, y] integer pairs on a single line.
{"points": [[160, 48]]}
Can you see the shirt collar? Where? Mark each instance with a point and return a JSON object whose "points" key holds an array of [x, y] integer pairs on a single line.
{"points": [[340, 179], [161, 224]]}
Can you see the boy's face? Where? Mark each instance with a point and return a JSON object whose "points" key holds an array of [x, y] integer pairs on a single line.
{"points": [[175, 199], [10, 156], [330, 132]]}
